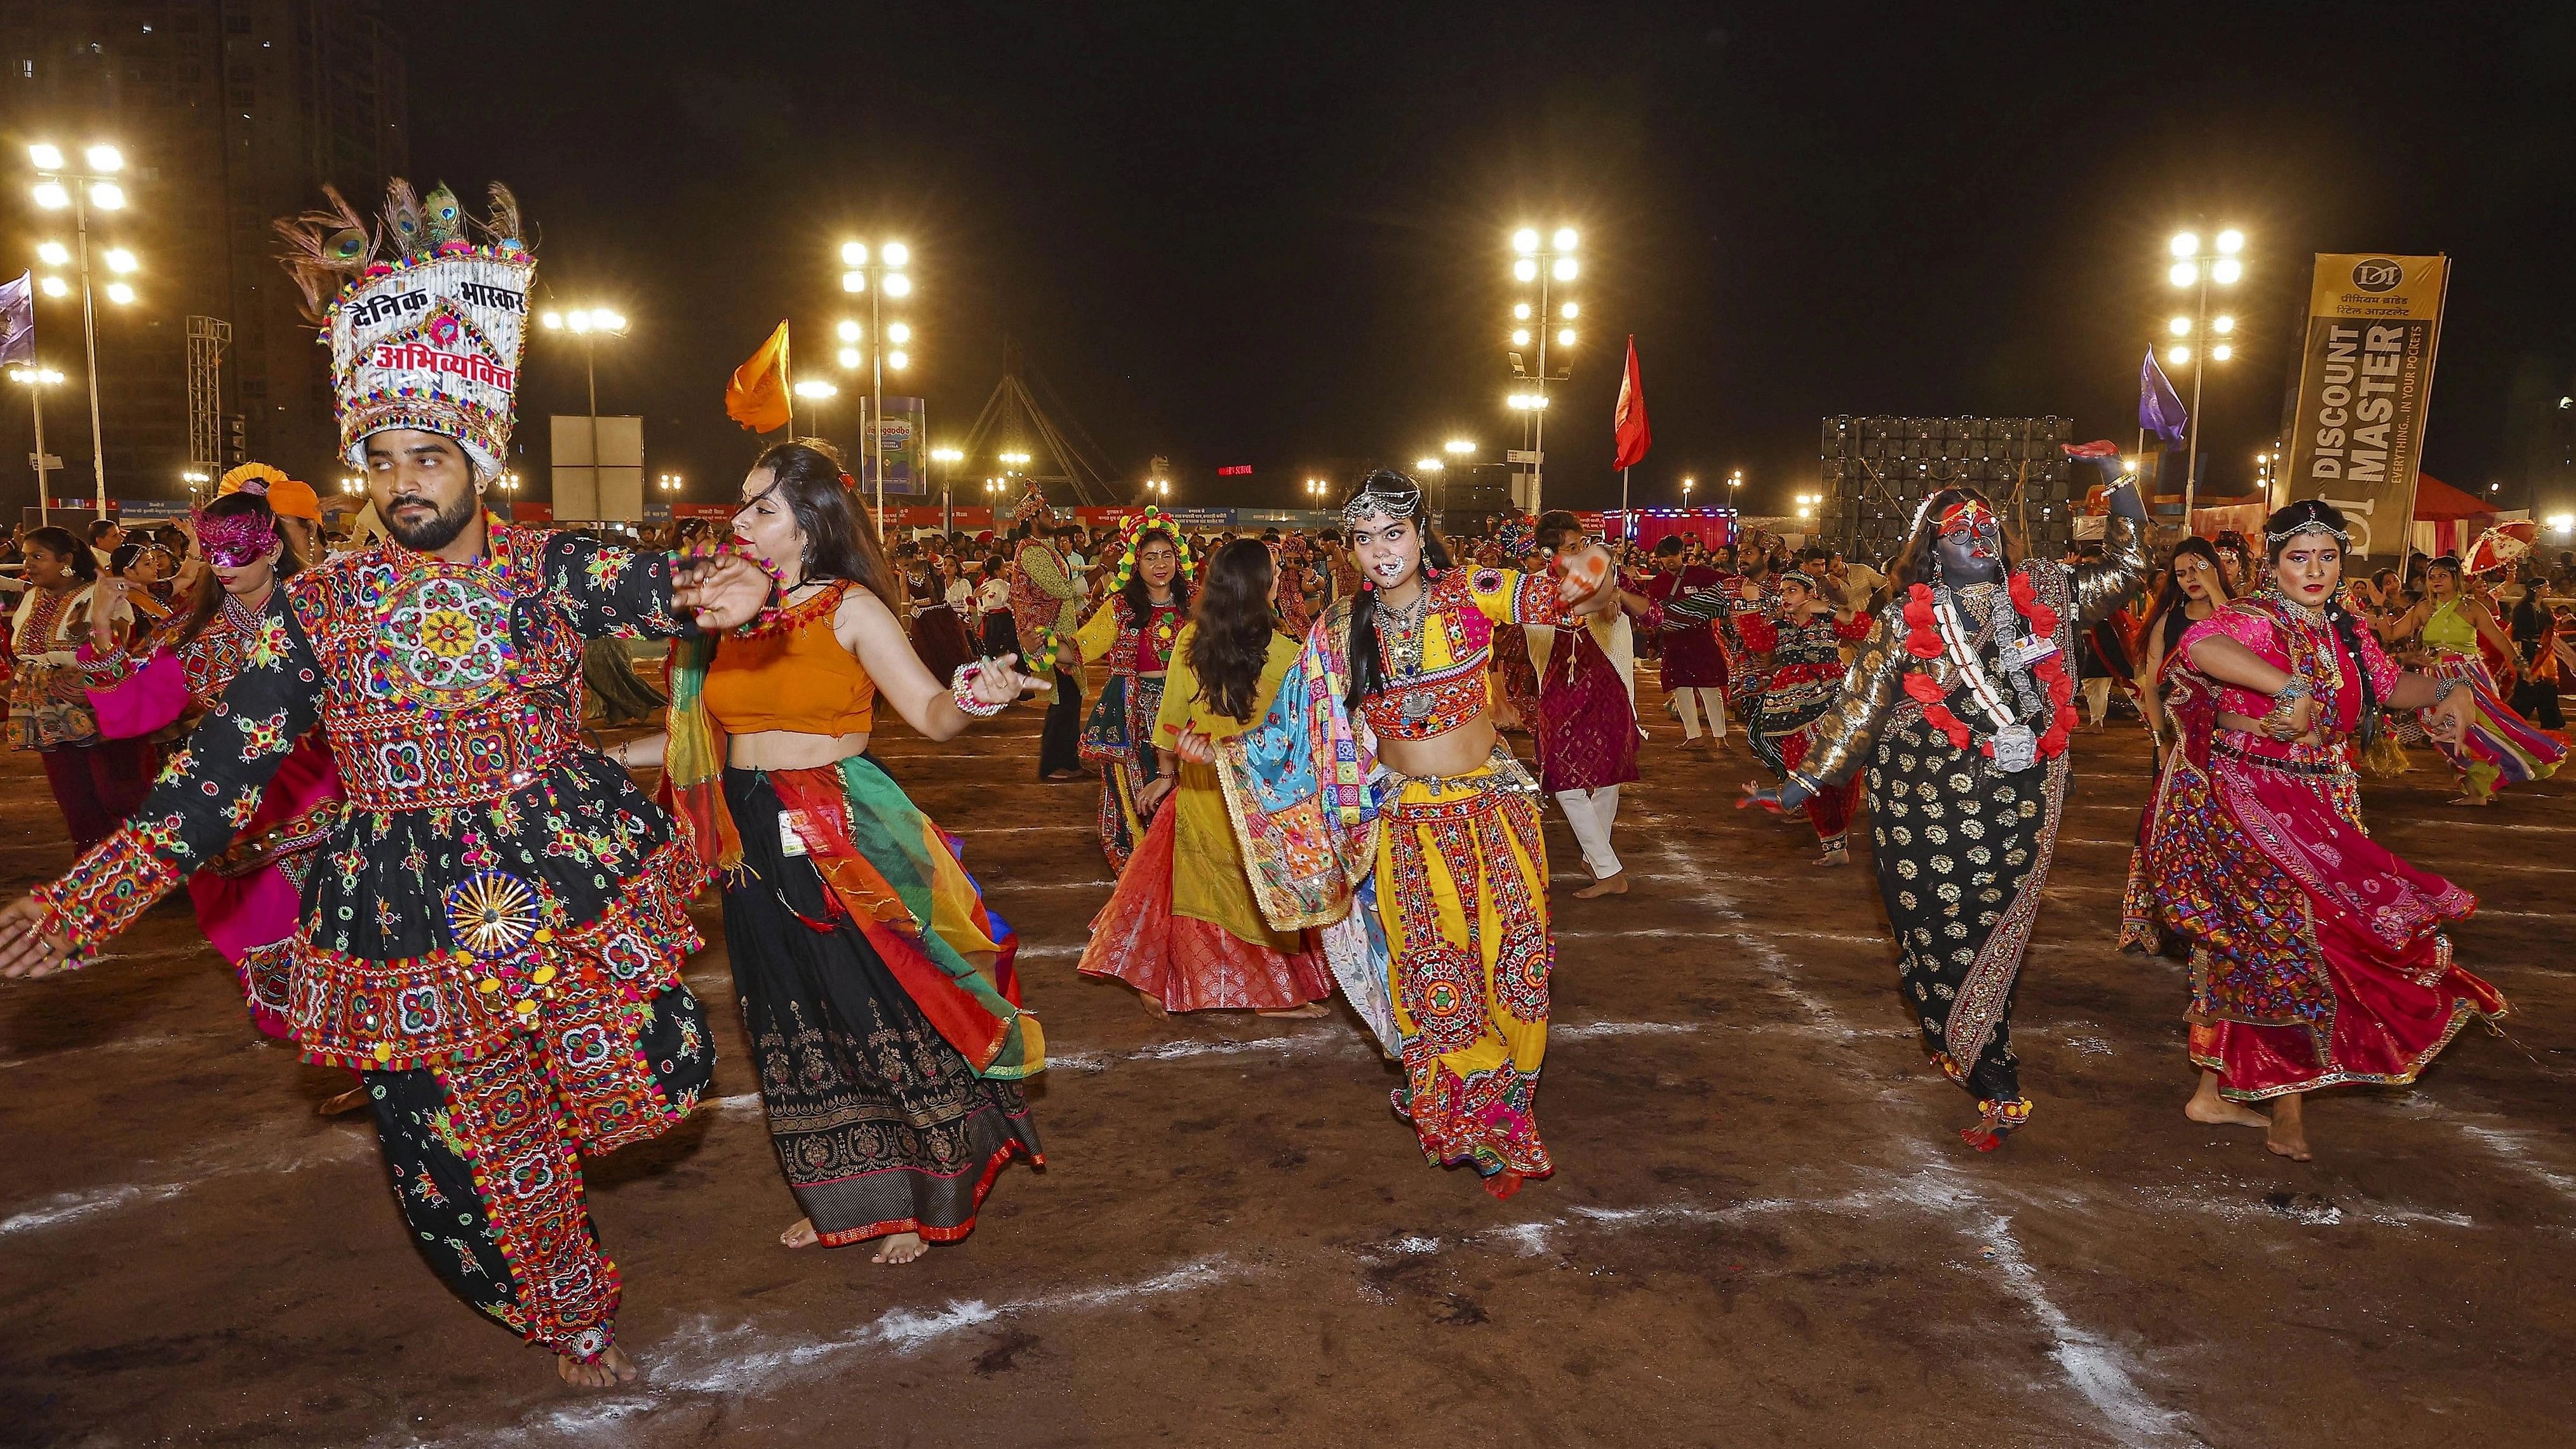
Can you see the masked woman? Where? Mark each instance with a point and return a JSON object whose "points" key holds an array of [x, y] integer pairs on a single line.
{"points": [[1133, 632], [1387, 810], [1959, 707], [876, 987], [250, 898], [2317, 957], [2495, 747], [1183, 927], [1803, 634]]}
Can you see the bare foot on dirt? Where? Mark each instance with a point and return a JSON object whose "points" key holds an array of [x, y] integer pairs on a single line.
{"points": [[800, 1236], [1153, 1005], [1608, 885], [352, 1100], [1502, 1185], [2287, 1132], [2209, 1107], [605, 1372], [900, 1248], [1832, 858], [1311, 1008]]}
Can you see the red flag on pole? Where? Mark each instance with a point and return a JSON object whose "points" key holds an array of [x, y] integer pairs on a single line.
{"points": [[1628, 420]]}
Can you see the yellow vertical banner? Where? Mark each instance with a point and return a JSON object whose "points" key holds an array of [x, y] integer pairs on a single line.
{"points": [[2365, 390]]}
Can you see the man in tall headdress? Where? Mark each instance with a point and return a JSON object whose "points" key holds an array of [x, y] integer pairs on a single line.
{"points": [[492, 935]]}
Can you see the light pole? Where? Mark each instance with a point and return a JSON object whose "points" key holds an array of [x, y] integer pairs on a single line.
{"points": [[1688, 483], [58, 186], [885, 269], [2190, 271], [590, 324], [947, 459], [1546, 261], [35, 378]]}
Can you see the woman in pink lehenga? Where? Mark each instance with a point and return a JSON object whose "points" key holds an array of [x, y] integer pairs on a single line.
{"points": [[2317, 957], [248, 900]]}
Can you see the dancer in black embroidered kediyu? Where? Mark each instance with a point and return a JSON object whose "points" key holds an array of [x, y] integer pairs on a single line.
{"points": [[1961, 704]]}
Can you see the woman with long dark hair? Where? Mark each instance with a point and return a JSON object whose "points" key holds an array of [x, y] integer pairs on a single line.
{"points": [[2535, 634], [2192, 587], [250, 899], [1436, 838], [2317, 957], [1133, 632], [2496, 747], [1960, 707], [97, 781], [1183, 927], [877, 989]]}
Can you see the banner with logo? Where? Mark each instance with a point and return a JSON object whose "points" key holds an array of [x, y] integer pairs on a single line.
{"points": [[899, 433], [2365, 389]]}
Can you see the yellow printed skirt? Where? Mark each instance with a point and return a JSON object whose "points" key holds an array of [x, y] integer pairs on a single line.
{"points": [[1462, 895]]}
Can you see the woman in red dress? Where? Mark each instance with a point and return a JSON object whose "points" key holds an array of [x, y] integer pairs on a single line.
{"points": [[2317, 957]]}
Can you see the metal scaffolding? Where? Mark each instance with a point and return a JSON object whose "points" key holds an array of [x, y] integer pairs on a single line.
{"points": [[207, 339], [1012, 420]]}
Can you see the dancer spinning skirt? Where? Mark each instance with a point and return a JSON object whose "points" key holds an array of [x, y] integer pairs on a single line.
{"points": [[1133, 632], [249, 898], [1393, 814], [2317, 957], [1959, 708], [1805, 680], [877, 988], [2496, 747], [1183, 927]]}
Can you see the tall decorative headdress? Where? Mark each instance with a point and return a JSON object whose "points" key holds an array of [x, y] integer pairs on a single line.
{"points": [[426, 325], [1136, 528], [1033, 508]]}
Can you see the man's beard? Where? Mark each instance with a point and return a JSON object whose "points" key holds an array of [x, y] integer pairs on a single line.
{"points": [[441, 529]]}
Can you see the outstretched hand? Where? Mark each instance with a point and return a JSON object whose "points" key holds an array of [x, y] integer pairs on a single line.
{"points": [[998, 683], [721, 591], [26, 950], [1587, 573]]}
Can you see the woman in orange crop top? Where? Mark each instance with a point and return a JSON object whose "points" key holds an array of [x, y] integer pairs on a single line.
{"points": [[1458, 866], [876, 987]]}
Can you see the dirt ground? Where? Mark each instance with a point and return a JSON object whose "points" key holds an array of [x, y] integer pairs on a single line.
{"points": [[1762, 1229]]}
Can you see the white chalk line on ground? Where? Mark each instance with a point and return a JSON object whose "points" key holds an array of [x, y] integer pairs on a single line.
{"points": [[66, 1208], [703, 1359]]}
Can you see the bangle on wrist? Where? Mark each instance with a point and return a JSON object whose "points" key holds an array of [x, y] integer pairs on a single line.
{"points": [[961, 692]]}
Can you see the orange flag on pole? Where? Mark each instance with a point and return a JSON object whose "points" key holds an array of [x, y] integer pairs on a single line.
{"points": [[757, 395]]}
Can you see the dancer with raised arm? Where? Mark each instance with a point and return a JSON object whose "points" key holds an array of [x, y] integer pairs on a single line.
{"points": [[877, 988], [1802, 634], [2317, 957], [1184, 926], [494, 931], [2494, 747], [1959, 708], [1134, 632], [1392, 813]]}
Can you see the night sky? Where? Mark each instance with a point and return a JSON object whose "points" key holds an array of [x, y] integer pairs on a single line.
{"points": [[1278, 234]]}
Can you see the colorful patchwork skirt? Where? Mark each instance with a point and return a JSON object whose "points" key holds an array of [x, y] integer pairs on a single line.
{"points": [[2499, 747], [1462, 894]]}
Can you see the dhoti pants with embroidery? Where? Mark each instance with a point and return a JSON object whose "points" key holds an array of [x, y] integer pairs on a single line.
{"points": [[1462, 894], [1962, 853], [486, 1155]]}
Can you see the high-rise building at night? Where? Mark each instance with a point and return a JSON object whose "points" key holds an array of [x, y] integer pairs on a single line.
{"points": [[229, 113]]}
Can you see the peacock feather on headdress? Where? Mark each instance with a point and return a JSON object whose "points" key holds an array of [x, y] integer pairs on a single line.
{"points": [[426, 326]]}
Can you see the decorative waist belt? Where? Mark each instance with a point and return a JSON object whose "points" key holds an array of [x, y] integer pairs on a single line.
{"points": [[2321, 768], [461, 763], [1501, 771]]}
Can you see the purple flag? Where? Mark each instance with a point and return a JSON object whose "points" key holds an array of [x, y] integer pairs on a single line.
{"points": [[18, 319], [2159, 410]]}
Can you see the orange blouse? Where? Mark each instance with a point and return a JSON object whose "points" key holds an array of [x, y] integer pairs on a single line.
{"points": [[792, 676]]}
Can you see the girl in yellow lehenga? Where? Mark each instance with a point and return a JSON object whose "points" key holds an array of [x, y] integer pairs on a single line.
{"points": [[1134, 632], [1183, 927], [1427, 857]]}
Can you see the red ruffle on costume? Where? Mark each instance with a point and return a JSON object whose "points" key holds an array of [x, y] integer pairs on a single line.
{"points": [[1186, 963]]}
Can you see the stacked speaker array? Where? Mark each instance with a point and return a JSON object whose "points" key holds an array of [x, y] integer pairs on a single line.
{"points": [[1876, 470]]}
